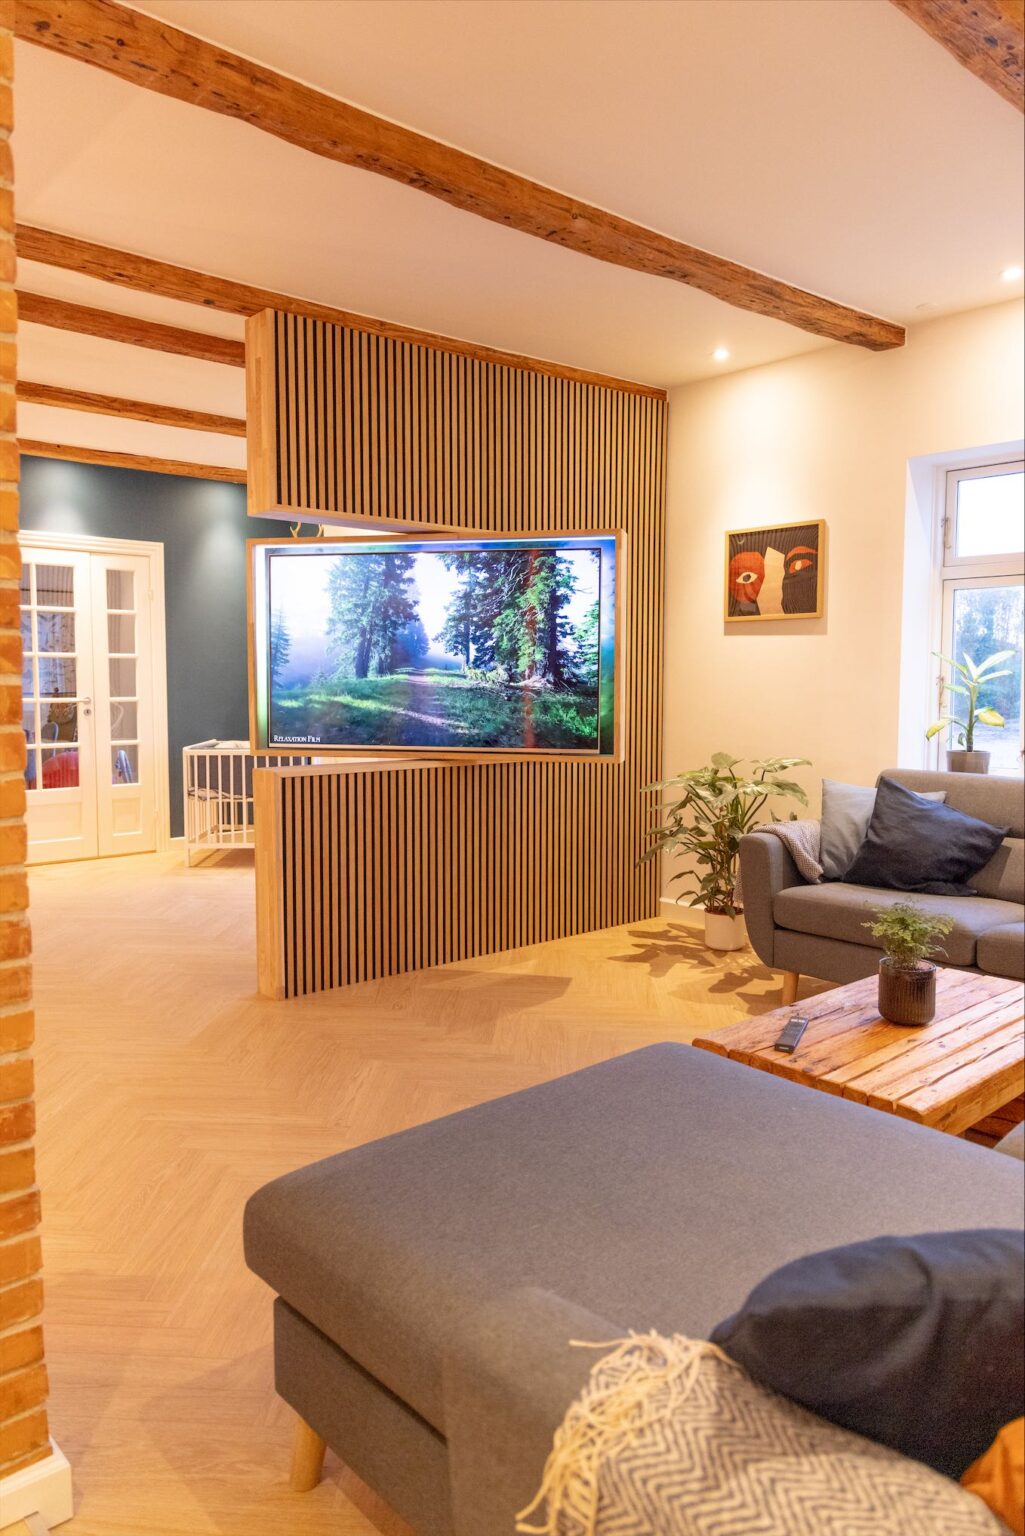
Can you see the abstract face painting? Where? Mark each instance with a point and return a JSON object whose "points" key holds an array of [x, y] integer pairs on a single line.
{"points": [[774, 573]]}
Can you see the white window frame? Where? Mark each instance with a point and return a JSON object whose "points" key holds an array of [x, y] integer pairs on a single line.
{"points": [[958, 572]]}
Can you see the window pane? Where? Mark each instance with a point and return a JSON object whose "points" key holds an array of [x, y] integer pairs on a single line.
{"points": [[28, 721], [991, 515], [26, 630], [57, 722], [60, 769], [56, 631], [121, 632], [55, 586], [986, 620], [120, 589], [57, 677], [122, 678], [124, 765], [124, 720]]}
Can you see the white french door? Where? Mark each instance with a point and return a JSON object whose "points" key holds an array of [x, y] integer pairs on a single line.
{"points": [[91, 699]]}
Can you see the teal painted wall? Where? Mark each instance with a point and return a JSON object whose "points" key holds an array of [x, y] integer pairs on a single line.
{"points": [[203, 526]]}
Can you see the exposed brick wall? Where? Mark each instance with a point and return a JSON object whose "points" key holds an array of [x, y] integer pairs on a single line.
{"points": [[23, 1385]]}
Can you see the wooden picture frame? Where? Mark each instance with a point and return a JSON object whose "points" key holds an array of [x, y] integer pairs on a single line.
{"points": [[788, 584]]}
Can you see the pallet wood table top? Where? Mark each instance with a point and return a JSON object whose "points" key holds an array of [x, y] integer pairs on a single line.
{"points": [[950, 1074]]}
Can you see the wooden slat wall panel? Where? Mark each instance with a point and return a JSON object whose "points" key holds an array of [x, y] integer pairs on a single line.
{"points": [[381, 870]]}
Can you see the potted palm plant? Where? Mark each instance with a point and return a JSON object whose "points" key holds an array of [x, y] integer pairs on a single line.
{"points": [[706, 812], [907, 975], [965, 759]]}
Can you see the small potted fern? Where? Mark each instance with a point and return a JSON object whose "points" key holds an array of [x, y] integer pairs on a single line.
{"points": [[907, 975]]}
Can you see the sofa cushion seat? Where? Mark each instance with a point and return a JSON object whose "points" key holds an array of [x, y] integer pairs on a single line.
{"points": [[1001, 951], [654, 1190], [838, 911]]}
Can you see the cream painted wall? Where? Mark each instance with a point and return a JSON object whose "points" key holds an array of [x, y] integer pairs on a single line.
{"points": [[829, 435]]}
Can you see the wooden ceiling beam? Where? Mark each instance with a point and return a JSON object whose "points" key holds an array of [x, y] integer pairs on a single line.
{"points": [[38, 309], [37, 450], [986, 36], [151, 53], [146, 275], [134, 410]]}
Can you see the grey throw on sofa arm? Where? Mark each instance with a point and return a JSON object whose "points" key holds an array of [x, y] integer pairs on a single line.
{"points": [[766, 868], [507, 1385]]}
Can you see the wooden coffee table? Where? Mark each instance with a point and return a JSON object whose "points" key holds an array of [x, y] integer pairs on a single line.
{"points": [[963, 1073]]}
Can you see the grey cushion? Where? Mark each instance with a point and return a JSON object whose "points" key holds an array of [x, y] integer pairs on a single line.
{"points": [[1004, 875], [1001, 951], [846, 813], [1014, 1143], [654, 1190], [991, 798], [838, 910]]}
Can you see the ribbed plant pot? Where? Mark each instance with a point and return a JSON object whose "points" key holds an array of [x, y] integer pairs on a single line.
{"points": [[723, 932], [967, 762], [907, 997]]}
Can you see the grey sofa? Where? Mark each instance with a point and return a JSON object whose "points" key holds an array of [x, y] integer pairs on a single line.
{"points": [[428, 1285], [816, 930]]}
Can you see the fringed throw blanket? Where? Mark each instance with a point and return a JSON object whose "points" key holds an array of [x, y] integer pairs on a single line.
{"points": [[802, 840], [671, 1438]]}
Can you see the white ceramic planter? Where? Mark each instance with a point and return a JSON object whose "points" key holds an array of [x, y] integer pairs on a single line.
{"points": [[724, 932]]}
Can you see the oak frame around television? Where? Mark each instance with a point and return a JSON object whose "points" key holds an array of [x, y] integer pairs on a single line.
{"points": [[260, 740]]}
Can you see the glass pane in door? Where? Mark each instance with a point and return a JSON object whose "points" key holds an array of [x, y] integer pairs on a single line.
{"points": [[55, 586], [124, 702], [120, 591], [60, 768], [124, 762], [987, 620]]}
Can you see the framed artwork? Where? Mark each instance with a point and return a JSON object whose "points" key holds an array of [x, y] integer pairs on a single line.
{"points": [[775, 573]]}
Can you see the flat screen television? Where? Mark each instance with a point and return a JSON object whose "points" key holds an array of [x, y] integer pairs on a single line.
{"points": [[437, 644]]}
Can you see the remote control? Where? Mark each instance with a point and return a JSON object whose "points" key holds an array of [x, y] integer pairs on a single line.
{"points": [[792, 1032]]}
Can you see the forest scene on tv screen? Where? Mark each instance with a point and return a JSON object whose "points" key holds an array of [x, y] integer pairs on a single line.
{"points": [[473, 647]]}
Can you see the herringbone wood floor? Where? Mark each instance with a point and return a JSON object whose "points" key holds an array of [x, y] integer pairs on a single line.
{"points": [[168, 1091]]}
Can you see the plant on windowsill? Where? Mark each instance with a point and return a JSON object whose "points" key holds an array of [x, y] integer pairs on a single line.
{"points": [[707, 812], [907, 975], [973, 680]]}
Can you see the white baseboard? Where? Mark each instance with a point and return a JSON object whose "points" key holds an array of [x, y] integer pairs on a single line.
{"points": [[692, 916], [44, 1488]]}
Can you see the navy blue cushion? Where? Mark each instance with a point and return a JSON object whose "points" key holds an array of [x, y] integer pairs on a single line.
{"points": [[914, 844], [917, 1342]]}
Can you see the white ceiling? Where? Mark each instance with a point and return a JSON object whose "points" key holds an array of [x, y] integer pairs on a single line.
{"points": [[830, 143]]}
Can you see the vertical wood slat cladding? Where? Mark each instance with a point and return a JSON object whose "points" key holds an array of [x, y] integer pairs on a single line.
{"points": [[400, 866]]}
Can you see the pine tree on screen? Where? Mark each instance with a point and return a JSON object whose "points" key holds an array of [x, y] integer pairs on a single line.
{"points": [[280, 645]]}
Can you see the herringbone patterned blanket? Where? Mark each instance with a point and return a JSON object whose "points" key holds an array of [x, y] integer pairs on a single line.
{"points": [[671, 1438]]}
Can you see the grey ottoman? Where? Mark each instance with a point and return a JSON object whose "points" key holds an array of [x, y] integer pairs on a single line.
{"points": [[651, 1191]]}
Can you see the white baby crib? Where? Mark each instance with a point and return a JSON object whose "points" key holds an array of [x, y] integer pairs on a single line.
{"points": [[217, 782]]}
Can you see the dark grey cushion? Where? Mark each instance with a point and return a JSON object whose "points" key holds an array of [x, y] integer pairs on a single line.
{"points": [[916, 845], [838, 911], [846, 813], [1001, 951], [654, 1190], [988, 796], [917, 1341]]}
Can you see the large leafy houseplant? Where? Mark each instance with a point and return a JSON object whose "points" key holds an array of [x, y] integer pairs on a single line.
{"points": [[973, 680], [706, 811]]}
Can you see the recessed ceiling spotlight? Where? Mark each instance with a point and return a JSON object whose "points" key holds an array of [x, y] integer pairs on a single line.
{"points": [[1011, 274], [721, 354]]}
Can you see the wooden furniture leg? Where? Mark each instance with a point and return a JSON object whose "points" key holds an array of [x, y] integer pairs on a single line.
{"points": [[791, 981], [307, 1458]]}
